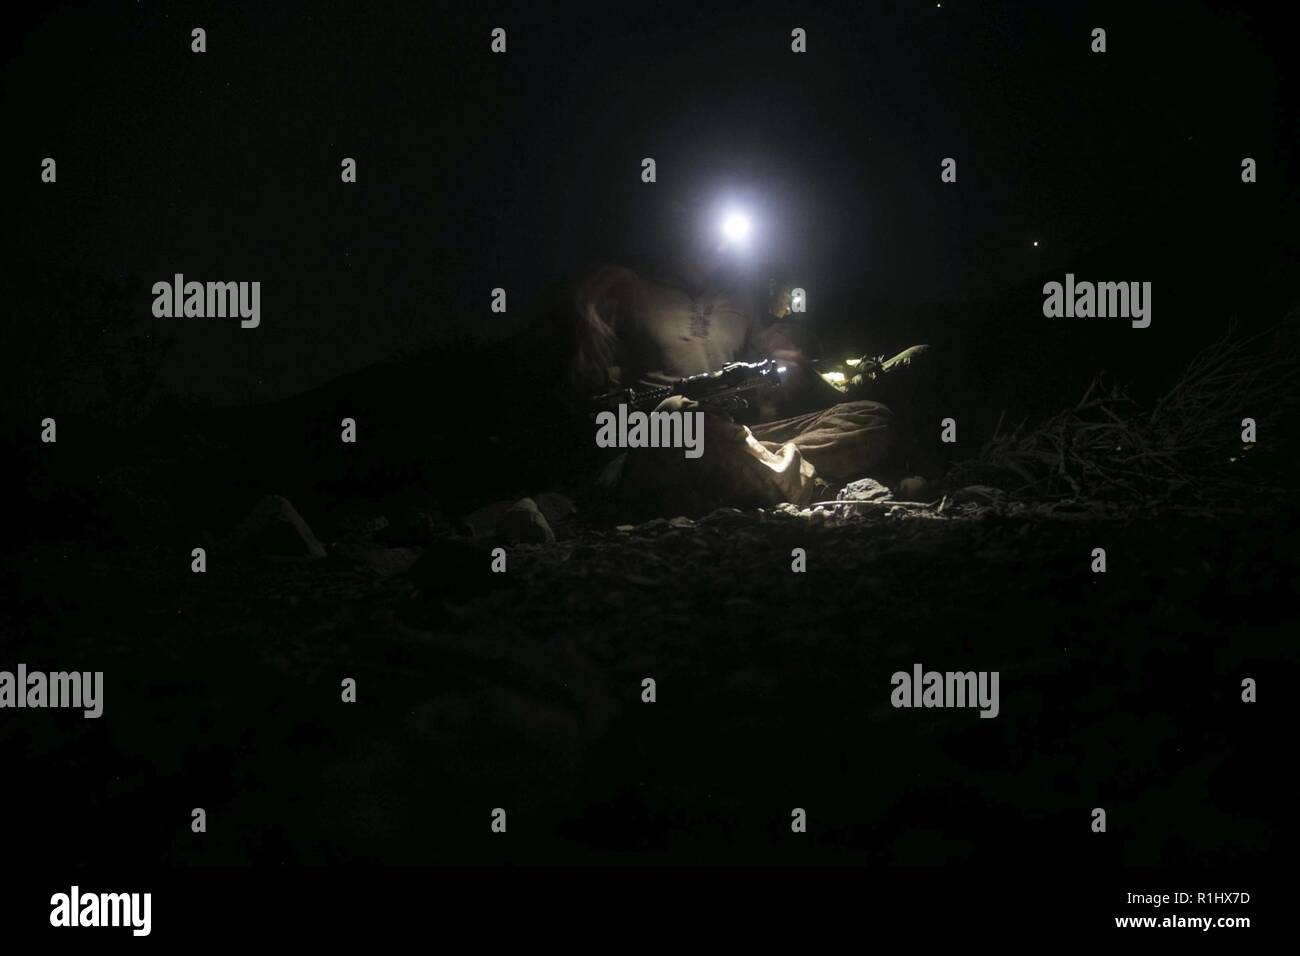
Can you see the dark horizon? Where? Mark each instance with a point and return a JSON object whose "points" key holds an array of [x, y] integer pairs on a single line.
{"points": [[472, 175]]}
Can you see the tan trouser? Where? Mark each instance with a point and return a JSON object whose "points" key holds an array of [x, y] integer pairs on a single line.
{"points": [[763, 465]]}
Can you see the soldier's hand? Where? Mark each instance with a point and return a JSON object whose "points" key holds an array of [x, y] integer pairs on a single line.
{"points": [[719, 424]]}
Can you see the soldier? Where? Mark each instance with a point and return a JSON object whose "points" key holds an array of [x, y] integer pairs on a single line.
{"points": [[693, 313]]}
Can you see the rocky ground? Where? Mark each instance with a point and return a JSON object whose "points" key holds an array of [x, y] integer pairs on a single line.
{"points": [[523, 690]]}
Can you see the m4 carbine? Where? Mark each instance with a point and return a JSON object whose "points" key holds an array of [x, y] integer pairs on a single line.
{"points": [[731, 388]]}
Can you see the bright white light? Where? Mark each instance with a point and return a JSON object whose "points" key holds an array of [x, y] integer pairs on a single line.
{"points": [[736, 226]]}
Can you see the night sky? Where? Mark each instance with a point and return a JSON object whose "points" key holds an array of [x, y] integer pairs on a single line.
{"points": [[477, 170]]}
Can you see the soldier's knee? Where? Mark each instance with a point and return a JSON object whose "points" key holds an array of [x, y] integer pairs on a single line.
{"points": [[862, 411]]}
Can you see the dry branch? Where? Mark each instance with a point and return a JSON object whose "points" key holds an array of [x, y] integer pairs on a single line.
{"points": [[1187, 443]]}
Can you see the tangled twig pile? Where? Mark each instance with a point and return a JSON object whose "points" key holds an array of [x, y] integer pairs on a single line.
{"points": [[1189, 443]]}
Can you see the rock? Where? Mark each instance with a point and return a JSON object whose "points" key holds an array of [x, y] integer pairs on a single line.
{"points": [[523, 522], [724, 516], [554, 507], [682, 522], [274, 527], [914, 489], [483, 522], [786, 511], [864, 489], [528, 520]]}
